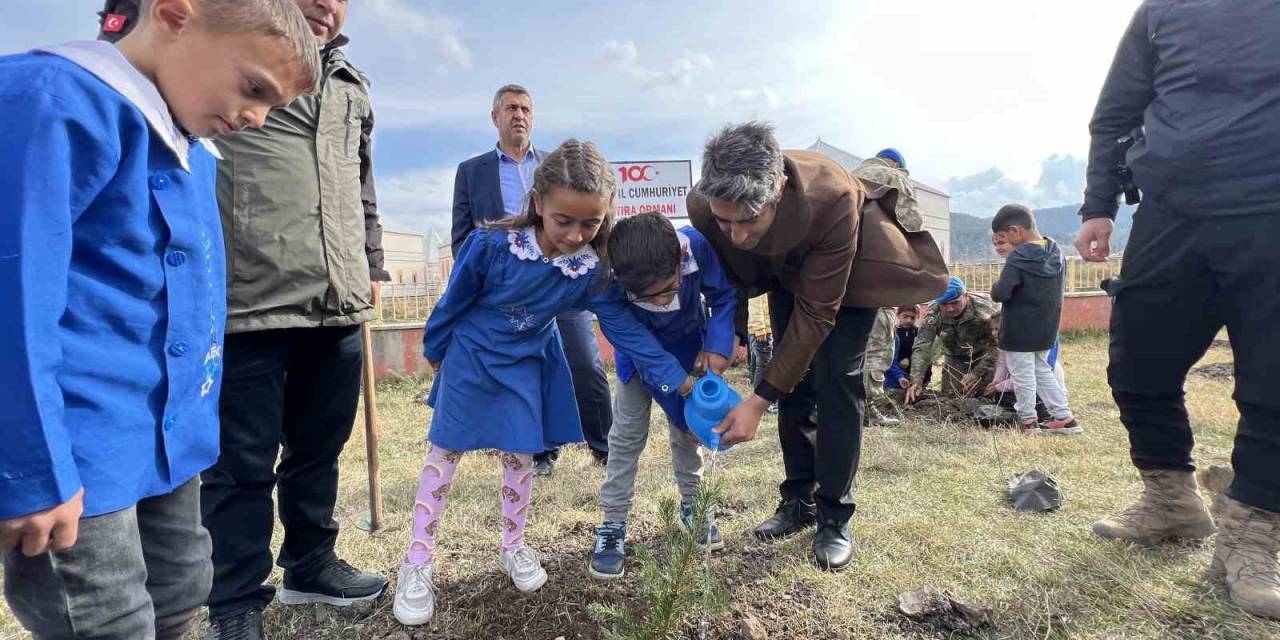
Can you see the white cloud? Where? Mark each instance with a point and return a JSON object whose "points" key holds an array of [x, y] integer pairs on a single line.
{"points": [[1061, 183], [681, 73], [419, 200], [399, 21]]}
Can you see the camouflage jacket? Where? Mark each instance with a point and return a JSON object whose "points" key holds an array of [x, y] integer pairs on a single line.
{"points": [[881, 342], [967, 338]]}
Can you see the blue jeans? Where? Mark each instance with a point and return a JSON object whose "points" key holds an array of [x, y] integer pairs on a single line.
{"points": [[136, 574], [577, 331]]}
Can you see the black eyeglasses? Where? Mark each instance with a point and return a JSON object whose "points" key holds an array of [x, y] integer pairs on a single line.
{"points": [[652, 296]]}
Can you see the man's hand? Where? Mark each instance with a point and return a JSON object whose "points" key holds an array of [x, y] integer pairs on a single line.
{"points": [[713, 361], [743, 421], [49, 530], [740, 355], [969, 384], [913, 393], [1093, 242]]}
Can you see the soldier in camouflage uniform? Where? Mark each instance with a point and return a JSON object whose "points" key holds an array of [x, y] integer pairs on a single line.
{"points": [[880, 348], [961, 322], [889, 169]]}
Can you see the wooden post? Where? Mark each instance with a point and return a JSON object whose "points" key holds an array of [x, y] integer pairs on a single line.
{"points": [[371, 422]]}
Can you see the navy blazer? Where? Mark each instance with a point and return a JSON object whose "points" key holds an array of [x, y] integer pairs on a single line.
{"points": [[477, 195]]}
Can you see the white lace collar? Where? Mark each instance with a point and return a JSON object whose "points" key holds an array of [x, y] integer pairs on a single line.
{"points": [[524, 245], [105, 61]]}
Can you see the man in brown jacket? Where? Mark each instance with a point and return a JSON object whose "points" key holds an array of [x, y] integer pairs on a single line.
{"points": [[787, 224]]}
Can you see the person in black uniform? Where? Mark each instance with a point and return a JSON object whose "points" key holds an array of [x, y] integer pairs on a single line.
{"points": [[1189, 117]]}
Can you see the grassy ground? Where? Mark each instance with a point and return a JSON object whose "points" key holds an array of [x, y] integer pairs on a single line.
{"points": [[931, 512]]}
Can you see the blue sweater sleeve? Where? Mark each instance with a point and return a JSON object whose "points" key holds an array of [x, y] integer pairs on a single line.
{"points": [[657, 368], [52, 165], [465, 284], [721, 297]]}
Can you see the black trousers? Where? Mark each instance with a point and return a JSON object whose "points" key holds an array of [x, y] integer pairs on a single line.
{"points": [[296, 388], [821, 458], [590, 385], [1183, 279]]}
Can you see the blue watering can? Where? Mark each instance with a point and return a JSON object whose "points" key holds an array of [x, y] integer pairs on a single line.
{"points": [[710, 401]]}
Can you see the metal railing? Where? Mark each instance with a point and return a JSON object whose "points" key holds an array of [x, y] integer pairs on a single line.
{"points": [[1081, 276]]}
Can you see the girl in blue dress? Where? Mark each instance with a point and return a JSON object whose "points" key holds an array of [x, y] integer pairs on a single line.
{"points": [[502, 381]]}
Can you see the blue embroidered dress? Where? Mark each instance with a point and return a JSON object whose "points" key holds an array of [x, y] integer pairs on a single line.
{"points": [[683, 327], [504, 382]]}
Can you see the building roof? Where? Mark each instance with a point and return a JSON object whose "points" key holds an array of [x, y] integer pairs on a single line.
{"points": [[850, 162]]}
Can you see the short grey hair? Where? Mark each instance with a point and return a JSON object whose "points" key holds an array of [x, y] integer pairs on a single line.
{"points": [[276, 18], [510, 88], [743, 164]]}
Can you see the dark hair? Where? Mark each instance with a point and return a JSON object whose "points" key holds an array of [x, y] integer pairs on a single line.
{"points": [[576, 166], [1010, 215], [911, 307], [644, 251]]}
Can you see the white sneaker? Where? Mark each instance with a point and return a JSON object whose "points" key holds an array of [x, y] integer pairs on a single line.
{"points": [[415, 594], [522, 565]]}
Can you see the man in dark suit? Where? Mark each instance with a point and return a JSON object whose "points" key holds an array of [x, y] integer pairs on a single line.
{"points": [[493, 185]]}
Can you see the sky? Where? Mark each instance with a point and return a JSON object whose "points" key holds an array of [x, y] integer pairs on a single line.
{"points": [[988, 100]]}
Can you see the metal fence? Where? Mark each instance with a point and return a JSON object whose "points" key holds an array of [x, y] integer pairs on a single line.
{"points": [[1081, 276], [413, 302], [406, 302]]}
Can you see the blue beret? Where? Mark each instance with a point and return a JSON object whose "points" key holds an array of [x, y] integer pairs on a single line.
{"points": [[892, 154], [954, 291]]}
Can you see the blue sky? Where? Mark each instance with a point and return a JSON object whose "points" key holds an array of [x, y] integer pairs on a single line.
{"points": [[989, 100]]}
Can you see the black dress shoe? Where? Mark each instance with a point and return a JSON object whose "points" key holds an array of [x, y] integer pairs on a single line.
{"points": [[246, 625], [601, 457], [544, 463], [832, 545], [792, 516], [336, 583]]}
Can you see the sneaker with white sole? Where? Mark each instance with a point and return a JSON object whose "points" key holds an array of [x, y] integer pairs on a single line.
{"points": [[524, 568], [415, 594]]}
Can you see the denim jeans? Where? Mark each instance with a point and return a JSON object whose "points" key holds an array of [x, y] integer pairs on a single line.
{"points": [[135, 574]]}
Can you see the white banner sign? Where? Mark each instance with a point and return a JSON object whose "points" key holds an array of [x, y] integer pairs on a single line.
{"points": [[660, 186]]}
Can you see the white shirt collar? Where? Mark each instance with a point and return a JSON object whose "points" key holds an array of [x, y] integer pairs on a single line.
{"points": [[105, 61]]}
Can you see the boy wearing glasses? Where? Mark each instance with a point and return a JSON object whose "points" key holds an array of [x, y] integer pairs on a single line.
{"points": [[667, 275]]}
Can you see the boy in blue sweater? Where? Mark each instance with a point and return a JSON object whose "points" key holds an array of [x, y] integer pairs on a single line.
{"points": [[666, 274], [113, 272]]}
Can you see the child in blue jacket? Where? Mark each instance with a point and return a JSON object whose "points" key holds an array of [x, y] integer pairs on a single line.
{"points": [[112, 273], [667, 274]]}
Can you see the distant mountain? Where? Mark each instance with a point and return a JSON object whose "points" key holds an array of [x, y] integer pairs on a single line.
{"points": [[971, 235]]}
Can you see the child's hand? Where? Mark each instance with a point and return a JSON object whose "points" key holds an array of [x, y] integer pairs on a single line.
{"points": [[969, 384], [686, 388], [435, 365], [904, 382], [739, 354], [708, 360], [913, 393], [991, 389], [49, 530]]}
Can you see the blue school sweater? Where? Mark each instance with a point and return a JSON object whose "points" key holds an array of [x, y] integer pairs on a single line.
{"points": [[112, 278], [686, 330]]}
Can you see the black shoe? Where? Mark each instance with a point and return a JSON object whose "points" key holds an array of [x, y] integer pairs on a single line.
{"points": [[542, 467], [601, 457], [336, 583], [832, 544], [246, 625], [792, 516]]}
